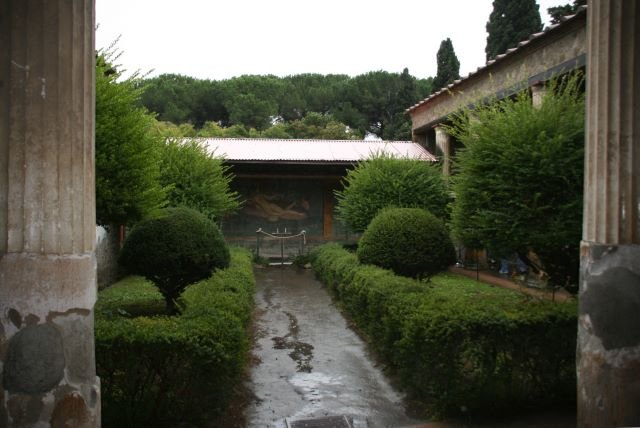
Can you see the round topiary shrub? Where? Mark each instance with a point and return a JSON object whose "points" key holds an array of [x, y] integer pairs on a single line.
{"points": [[409, 241], [180, 247]]}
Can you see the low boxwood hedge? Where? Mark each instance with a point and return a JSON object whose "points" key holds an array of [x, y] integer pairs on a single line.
{"points": [[458, 345], [173, 370]]}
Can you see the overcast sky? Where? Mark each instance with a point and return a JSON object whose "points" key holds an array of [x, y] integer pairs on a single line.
{"points": [[220, 39]]}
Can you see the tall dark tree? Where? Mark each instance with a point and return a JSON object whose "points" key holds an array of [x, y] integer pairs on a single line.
{"points": [[448, 65], [510, 22], [557, 12]]}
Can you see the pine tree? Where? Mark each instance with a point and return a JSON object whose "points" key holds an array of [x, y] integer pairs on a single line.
{"points": [[510, 22], [448, 65]]}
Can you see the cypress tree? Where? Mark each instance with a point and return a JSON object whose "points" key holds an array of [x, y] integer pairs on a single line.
{"points": [[448, 65], [510, 22]]}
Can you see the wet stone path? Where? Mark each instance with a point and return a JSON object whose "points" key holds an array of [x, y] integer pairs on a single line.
{"points": [[309, 363]]}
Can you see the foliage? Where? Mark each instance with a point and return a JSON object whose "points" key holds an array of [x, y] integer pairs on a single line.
{"points": [[456, 343], [174, 250], [520, 176], [448, 65], [174, 371], [558, 12], [384, 181], [130, 297], [253, 101], [372, 102], [510, 22], [409, 241], [320, 126], [196, 179], [181, 99], [127, 151], [312, 126]]}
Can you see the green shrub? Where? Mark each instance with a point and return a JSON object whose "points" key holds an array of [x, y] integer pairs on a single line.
{"points": [[196, 179], [409, 241], [385, 181], [127, 153], [132, 296], [520, 175], [175, 371], [456, 343], [175, 250]]}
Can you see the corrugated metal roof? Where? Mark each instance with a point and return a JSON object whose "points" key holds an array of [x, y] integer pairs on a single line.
{"points": [[551, 28], [310, 151]]}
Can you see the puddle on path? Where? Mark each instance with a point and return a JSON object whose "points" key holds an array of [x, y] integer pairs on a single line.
{"points": [[311, 363]]}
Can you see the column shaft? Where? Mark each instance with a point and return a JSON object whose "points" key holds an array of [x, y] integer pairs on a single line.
{"points": [[538, 91], [47, 214], [608, 364], [443, 149]]}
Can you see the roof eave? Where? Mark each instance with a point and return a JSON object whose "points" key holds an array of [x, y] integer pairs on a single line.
{"points": [[499, 58]]}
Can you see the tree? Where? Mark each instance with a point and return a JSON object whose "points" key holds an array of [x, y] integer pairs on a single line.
{"points": [[519, 181], [253, 101], [384, 181], [448, 65], [557, 12], [173, 250], [171, 96], [211, 129], [510, 22], [372, 102], [318, 126], [127, 150], [196, 179]]}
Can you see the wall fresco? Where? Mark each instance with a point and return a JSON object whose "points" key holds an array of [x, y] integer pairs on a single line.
{"points": [[277, 205]]}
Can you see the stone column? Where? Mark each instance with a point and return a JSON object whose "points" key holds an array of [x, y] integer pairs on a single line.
{"points": [[608, 364], [47, 214], [443, 149], [419, 138], [538, 92]]}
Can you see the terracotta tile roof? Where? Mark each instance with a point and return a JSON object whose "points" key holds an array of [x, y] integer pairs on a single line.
{"points": [[581, 10], [310, 151]]}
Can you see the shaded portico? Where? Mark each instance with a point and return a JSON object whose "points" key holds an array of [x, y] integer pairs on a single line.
{"points": [[558, 49]]}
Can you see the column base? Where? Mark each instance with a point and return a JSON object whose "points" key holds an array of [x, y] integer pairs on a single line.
{"points": [[608, 364], [47, 341]]}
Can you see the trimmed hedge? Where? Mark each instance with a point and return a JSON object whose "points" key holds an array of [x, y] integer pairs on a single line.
{"points": [[174, 371], [459, 345], [409, 241]]}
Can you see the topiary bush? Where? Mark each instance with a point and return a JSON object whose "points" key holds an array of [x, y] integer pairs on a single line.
{"points": [[409, 241], [177, 249]]}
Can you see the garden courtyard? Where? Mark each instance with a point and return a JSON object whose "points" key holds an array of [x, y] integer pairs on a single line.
{"points": [[376, 330], [310, 357]]}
